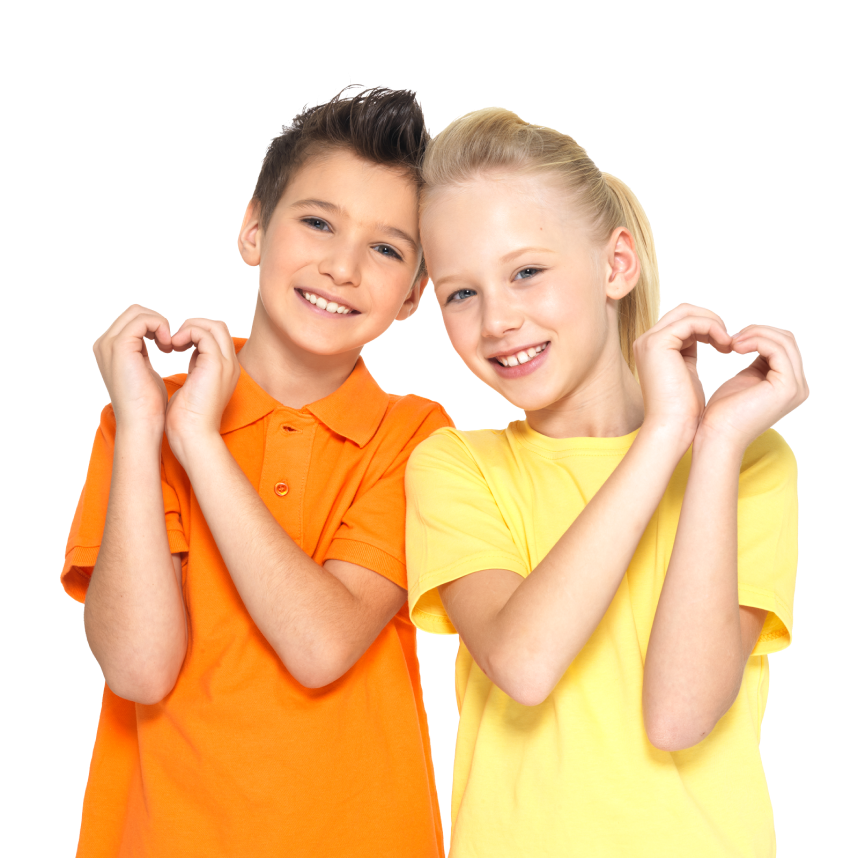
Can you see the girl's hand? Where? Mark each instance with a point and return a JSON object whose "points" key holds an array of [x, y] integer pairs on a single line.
{"points": [[196, 408], [666, 359], [772, 386], [136, 391]]}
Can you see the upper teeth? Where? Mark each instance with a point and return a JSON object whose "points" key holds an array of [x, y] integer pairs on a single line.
{"points": [[521, 357], [322, 304]]}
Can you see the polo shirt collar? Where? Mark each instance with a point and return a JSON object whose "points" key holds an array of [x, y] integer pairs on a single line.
{"points": [[354, 410]]}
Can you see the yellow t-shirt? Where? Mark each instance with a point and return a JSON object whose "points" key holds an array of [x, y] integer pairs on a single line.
{"points": [[576, 775]]}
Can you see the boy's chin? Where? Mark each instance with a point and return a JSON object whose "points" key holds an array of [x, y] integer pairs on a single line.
{"points": [[332, 350]]}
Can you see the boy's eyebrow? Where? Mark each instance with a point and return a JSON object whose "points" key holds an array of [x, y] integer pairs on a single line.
{"points": [[381, 227]]}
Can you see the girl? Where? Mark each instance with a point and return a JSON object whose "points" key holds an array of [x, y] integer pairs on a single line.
{"points": [[615, 595]]}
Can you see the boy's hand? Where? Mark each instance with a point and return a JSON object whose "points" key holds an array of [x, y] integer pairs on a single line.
{"points": [[136, 391], [755, 399], [196, 409]]}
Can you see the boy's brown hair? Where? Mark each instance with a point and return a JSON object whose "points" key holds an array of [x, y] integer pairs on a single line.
{"points": [[383, 126]]}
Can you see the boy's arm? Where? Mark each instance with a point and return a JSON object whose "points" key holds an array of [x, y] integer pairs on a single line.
{"points": [[318, 620], [134, 612]]}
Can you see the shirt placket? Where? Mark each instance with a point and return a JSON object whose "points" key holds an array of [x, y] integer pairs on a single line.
{"points": [[283, 483]]}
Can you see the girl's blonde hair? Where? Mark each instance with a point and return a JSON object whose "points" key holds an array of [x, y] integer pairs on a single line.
{"points": [[494, 138]]}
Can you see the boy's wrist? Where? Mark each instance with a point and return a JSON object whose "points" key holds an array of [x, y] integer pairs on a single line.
{"points": [[199, 449], [140, 435]]}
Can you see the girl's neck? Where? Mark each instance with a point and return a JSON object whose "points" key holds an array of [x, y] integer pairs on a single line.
{"points": [[607, 405]]}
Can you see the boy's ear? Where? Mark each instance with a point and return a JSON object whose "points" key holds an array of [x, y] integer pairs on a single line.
{"points": [[250, 236], [409, 305], [624, 267]]}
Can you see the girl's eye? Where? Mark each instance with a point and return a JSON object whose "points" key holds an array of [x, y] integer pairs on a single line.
{"points": [[460, 295], [527, 273], [316, 223], [387, 250]]}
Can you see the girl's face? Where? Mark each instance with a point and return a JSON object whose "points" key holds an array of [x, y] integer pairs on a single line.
{"points": [[528, 299]]}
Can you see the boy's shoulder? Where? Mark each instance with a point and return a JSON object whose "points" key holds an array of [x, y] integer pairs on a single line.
{"points": [[409, 419], [174, 382]]}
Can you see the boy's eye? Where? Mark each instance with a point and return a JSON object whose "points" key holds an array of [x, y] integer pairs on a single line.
{"points": [[316, 223], [526, 273], [387, 250], [460, 295]]}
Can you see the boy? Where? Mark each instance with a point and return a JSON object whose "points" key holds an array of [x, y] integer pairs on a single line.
{"points": [[245, 581]]}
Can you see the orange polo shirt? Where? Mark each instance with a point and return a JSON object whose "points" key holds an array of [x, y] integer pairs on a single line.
{"points": [[240, 759]]}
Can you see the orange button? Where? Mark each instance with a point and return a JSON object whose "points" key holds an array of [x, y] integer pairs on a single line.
{"points": [[281, 489]]}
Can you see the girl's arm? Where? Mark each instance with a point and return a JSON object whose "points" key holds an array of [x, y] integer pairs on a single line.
{"points": [[702, 638], [525, 632]]}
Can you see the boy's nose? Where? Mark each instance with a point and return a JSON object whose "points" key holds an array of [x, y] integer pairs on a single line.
{"points": [[342, 264]]}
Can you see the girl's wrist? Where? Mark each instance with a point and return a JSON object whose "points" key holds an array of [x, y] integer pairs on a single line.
{"points": [[723, 444], [674, 437]]}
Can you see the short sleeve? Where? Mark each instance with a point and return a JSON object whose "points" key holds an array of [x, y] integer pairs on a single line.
{"points": [[768, 537], [453, 527], [88, 523], [372, 532]]}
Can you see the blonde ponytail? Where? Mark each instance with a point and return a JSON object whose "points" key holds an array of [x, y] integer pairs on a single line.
{"points": [[638, 311], [494, 138]]}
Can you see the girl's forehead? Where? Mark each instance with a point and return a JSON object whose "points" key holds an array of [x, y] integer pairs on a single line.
{"points": [[502, 203]]}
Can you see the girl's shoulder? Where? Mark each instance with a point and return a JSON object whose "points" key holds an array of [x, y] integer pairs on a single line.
{"points": [[457, 447], [769, 452]]}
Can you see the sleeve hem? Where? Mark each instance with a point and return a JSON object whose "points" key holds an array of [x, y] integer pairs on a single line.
{"points": [[370, 557], [424, 603], [777, 629], [177, 541]]}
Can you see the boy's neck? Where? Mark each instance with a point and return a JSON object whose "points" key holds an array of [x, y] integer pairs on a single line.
{"points": [[291, 375]]}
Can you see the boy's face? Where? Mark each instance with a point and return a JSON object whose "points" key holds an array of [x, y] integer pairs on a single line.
{"points": [[344, 235]]}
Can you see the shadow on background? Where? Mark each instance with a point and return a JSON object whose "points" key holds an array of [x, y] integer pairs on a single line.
{"points": [[60, 281]]}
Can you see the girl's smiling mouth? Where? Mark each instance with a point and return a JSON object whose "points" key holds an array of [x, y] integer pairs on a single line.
{"points": [[515, 364]]}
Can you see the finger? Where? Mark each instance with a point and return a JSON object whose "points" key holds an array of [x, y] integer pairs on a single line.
{"points": [[682, 311], [135, 310], [688, 330], [785, 338], [200, 338], [218, 330], [780, 367], [148, 325]]}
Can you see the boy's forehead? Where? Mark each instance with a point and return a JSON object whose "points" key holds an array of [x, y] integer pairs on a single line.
{"points": [[356, 188]]}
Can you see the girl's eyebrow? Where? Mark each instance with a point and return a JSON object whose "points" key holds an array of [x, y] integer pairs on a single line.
{"points": [[512, 254], [382, 227], [504, 259]]}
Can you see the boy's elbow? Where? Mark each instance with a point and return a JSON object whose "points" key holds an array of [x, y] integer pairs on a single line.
{"points": [[145, 688], [320, 669]]}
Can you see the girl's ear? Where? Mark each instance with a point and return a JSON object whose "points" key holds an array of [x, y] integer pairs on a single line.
{"points": [[250, 235], [624, 267]]}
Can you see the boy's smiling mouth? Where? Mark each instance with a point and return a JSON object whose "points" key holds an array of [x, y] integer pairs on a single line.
{"points": [[327, 304]]}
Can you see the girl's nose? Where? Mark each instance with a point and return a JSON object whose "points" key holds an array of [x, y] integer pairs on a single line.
{"points": [[500, 316]]}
